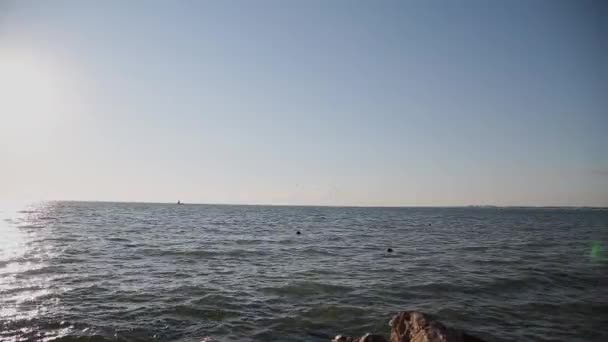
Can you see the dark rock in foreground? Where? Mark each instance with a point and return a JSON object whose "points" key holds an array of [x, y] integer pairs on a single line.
{"points": [[364, 338], [414, 326]]}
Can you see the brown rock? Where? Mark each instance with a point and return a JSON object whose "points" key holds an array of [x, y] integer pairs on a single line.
{"points": [[342, 338], [364, 338], [372, 338], [413, 326]]}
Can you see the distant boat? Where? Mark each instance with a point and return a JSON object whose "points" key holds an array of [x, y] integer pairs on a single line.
{"points": [[179, 203]]}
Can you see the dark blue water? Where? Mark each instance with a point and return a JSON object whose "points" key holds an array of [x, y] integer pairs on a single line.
{"points": [[139, 272]]}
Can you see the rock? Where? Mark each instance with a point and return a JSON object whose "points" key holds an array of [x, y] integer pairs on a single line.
{"points": [[364, 338], [372, 338], [413, 326]]}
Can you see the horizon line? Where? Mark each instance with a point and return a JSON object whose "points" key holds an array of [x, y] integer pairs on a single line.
{"points": [[478, 206]]}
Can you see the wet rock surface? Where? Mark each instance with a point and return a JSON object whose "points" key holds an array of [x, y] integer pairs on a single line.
{"points": [[414, 326]]}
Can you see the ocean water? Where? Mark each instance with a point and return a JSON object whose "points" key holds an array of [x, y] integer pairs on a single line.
{"points": [[138, 272]]}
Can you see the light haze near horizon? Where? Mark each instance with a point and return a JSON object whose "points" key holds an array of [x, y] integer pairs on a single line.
{"points": [[305, 102]]}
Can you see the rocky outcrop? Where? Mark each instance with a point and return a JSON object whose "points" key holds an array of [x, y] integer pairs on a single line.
{"points": [[364, 338], [414, 326]]}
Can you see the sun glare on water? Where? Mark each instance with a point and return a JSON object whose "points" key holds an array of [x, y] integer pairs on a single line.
{"points": [[26, 292]]}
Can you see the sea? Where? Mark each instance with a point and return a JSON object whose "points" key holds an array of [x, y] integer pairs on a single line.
{"points": [[95, 271]]}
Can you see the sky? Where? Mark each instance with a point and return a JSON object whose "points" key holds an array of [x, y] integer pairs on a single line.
{"points": [[379, 103]]}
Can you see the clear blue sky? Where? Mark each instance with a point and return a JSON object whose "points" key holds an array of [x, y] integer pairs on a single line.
{"points": [[305, 102]]}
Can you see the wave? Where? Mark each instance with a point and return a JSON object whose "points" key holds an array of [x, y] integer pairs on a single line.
{"points": [[480, 287], [331, 312], [204, 253], [47, 218], [191, 253], [247, 242], [22, 270], [322, 251], [208, 313], [307, 289], [31, 226], [118, 239], [90, 338]]}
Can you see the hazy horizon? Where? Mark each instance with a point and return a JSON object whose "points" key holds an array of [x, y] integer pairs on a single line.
{"points": [[342, 103], [21, 204]]}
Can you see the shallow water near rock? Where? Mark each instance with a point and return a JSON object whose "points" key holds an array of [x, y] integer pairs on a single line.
{"points": [[139, 272]]}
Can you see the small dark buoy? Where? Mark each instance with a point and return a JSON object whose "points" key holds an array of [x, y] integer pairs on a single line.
{"points": [[429, 224], [298, 232], [390, 250]]}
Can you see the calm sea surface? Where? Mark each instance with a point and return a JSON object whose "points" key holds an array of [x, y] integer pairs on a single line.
{"points": [[139, 272]]}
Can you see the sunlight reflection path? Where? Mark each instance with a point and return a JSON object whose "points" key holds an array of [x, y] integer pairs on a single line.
{"points": [[26, 291]]}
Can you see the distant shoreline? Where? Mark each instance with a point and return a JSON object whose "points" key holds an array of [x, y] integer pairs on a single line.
{"points": [[342, 206]]}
